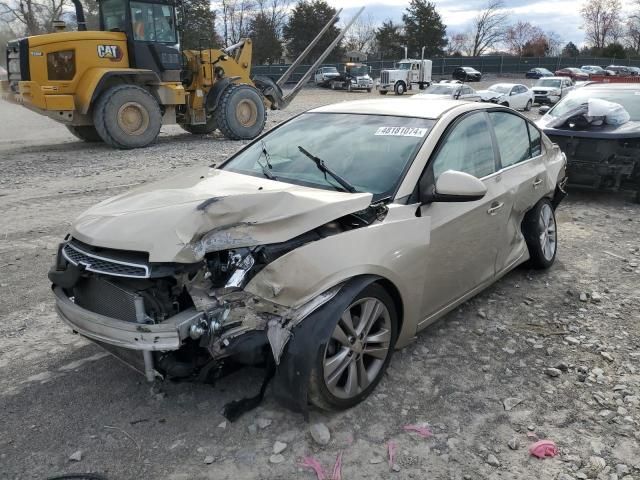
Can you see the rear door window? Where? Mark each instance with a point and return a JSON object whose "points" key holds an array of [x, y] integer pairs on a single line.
{"points": [[512, 137]]}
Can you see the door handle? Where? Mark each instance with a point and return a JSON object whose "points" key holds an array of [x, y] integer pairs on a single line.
{"points": [[537, 182], [494, 208]]}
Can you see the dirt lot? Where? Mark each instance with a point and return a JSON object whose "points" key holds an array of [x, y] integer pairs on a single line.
{"points": [[479, 378]]}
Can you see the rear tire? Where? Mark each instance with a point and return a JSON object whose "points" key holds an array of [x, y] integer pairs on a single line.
{"points": [[205, 129], [332, 373], [541, 234], [86, 133], [241, 114], [127, 116]]}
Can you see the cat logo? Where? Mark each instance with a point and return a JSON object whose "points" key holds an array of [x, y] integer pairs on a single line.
{"points": [[112, 52]]}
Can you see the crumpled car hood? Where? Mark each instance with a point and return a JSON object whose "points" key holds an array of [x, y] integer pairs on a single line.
{"points": [[489, 94], [182, 218]]}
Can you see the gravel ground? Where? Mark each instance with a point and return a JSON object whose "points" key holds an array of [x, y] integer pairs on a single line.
{"points": [[540, 354]]}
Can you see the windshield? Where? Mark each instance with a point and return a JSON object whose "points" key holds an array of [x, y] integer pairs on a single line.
{"points": [[153, 22], [440, 89], [629, 99], [330, 70], [404, 66], [500, 88], [359, 71], [545, 82], [370, 152]]}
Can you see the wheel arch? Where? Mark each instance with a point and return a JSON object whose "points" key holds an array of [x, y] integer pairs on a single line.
{"points": [[97, 80]]}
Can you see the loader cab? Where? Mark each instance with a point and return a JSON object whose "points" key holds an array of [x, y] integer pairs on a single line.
{"points": [[152, 37]]}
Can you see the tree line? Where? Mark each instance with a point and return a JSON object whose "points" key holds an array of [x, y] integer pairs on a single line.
{"points": [[282, 29]]}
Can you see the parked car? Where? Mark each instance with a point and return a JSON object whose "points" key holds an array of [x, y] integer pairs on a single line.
{"points": [[574, 74], [538, 73], [593, 70], [635, 71], [621, 71], [262, 258], [550, 90], [600, 156], [512, 95], [466, 74], [325, 74], [452, 91]]}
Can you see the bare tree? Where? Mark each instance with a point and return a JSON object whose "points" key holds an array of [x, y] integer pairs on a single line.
{"points": [[31, 17], [361, 37], [488, 28], [458, 44], [601, 22], [517, 36], [555, 43], [235, 16], [274, 10]]}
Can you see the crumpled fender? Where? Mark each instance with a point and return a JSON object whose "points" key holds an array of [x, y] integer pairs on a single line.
{"points": [[291, 382]]}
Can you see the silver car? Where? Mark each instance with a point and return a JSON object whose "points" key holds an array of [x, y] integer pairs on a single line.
{"points": [[318, 249]]}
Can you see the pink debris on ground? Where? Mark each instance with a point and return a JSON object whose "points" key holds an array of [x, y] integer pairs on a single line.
{"points": [[543, 448], [314, 464], [391, 448], [424, 432], [337, 468]]}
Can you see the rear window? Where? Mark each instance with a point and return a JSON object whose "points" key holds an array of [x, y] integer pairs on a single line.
{"points": [[629, 99]]}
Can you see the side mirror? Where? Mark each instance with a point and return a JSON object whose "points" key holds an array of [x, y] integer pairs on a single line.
{"points": [[544, 109], [454, 186]]}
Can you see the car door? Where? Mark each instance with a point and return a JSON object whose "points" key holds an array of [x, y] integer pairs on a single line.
{"points": [[465, 236], [522, 175]]}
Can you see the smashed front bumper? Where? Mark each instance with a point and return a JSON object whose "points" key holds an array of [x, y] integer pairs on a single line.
{"points": [[168, 335]]}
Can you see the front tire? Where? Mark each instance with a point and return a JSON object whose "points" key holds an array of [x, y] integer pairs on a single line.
{"points": [[349, 366], [400, 88], [86, 133], [127, 116], [540, 232], [528, 106], [241, 114]]}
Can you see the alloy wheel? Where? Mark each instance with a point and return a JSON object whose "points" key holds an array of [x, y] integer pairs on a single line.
{"points": [[358, 348], [547, 224]]}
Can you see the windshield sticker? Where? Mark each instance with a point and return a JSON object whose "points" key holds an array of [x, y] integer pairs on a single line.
{"points": [[402, 131]]}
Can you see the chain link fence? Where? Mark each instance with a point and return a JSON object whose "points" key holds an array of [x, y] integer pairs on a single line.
{"points": [[443, 67]]}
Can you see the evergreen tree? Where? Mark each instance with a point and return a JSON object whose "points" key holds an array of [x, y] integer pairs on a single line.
{"points": [[267, 47], [423, 27], [389, 40], [306, 20], [197, 25], [570, 50]]}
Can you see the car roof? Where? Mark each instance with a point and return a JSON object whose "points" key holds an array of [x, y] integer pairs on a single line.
{"points": [[401, 107], [613, 86], [506, 84], [555, 78]]}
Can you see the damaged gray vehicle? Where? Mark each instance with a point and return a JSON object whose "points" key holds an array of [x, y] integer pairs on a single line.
{"points": [[317, 249]]}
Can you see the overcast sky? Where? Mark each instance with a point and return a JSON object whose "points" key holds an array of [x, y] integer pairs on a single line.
{"points": [[560, 16]]}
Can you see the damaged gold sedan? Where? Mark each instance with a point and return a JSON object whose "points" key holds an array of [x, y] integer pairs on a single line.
{"points": [[317, 249]]}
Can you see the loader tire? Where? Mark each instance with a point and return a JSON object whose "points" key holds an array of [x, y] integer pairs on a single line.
{"points": [[127, 116], [86, 133], [205, 129], [241, 114]]}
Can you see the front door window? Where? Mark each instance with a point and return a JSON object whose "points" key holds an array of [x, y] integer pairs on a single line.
{"points": [[152, 22]]}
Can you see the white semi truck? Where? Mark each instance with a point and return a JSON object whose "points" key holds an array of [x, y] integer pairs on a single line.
{"points": [[407, 74]]}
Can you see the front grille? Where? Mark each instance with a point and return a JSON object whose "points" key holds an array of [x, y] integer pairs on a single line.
{"points": [[100, 264], [384, 78], [101, 296], [540, 92]]}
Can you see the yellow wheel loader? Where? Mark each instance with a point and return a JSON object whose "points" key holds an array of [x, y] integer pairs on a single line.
{"points": [[122, 83]]}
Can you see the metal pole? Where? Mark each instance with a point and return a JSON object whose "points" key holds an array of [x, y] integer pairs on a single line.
{"points": [[283, 79]]}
